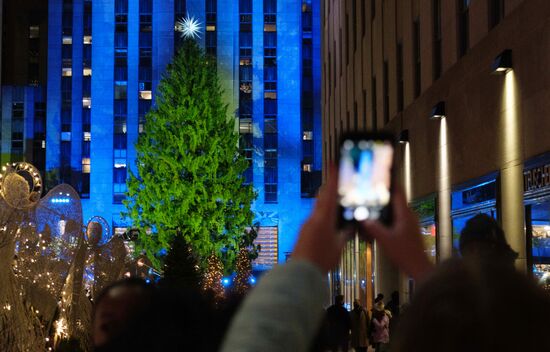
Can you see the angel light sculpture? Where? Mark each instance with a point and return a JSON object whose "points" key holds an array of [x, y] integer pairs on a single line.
{"points": [[20, 327]]}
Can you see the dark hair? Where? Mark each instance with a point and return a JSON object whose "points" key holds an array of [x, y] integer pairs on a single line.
{"points": [[378, 298], [482, 234], [339, 299], [140, 284], [171, 320], [466, 306]]}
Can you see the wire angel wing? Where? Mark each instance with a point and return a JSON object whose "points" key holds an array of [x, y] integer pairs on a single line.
{"points": [[20, 327]]}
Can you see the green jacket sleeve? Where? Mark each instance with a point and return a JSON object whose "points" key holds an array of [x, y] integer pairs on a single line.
{"points": [[282, 313]]}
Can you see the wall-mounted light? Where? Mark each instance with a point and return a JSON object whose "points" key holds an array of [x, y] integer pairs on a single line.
{"points": [[438, 111], [403, 137], [502, 63]]}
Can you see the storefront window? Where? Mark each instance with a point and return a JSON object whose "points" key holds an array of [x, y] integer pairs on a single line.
{"points": [[425, 210], [475, 197], [536, 187], [539, 218]]}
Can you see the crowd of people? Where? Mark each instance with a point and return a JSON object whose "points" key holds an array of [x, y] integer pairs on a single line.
{"points": [[478, 302]]}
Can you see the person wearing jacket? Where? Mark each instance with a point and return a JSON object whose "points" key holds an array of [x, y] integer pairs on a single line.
{"points": [[359, 327], [381, 326]]}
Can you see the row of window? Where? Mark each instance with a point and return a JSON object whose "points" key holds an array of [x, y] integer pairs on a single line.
{"points": [[271, 167], [86, 100], [496, 13], [245, 85], [120, 96]]}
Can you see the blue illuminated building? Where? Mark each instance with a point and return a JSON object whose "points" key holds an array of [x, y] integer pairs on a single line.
{"points": [[105, 60]]}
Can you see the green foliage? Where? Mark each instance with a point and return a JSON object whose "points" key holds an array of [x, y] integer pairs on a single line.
{"points": [[189, 178]]}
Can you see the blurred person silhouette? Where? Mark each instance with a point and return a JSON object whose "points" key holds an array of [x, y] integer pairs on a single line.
{"points": [[131, 315], [472, 306], [393, 304], [339, 324], [482, 239], [468, 303], [395, 309], [359, 327], [381, 327]]}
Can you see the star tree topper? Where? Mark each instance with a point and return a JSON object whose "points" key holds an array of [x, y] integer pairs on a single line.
{"points": [[189, 27]]}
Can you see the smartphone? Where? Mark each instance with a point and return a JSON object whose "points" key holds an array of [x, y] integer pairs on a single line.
{"points": [[365, 177]]}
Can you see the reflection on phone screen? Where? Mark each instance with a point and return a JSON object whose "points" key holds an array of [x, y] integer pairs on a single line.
{"points": [[364, 178]]}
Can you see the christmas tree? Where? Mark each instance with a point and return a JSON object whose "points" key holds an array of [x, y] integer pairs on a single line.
{"points": [[189, 176], [180, 266], [212, 280], [244, 271]]}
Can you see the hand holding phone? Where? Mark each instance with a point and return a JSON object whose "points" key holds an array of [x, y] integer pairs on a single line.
{"points": [[365, 177]]}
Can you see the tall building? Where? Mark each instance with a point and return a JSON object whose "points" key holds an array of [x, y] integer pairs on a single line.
{"points": [[23, 116], [24, 42], [465, 84], [106, 58]]}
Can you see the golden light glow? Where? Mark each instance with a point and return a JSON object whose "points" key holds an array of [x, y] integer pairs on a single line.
{"points": [[407, 170], [512, 169], [444, 194]]}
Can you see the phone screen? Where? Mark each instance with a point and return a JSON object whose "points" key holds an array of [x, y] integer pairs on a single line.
{"points": [[364, 178]]}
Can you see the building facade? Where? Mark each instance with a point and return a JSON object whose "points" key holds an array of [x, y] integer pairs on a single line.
{"points": [[395, 64], [24, 41], [106, 58]]}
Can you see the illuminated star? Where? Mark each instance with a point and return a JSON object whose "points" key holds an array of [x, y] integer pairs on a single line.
{"points": [[189, 27]]}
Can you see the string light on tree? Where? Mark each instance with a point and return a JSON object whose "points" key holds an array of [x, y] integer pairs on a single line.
{"points": [[244, 271], [212, 280]]}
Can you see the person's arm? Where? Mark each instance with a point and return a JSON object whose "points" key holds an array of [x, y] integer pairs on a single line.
{"points": [[284, 311]]}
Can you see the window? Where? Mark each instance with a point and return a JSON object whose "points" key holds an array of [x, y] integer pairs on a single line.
{"points": [[307, 135], [87, 39], [65, 136], [67, 40], [120, 90], [463, 27], [145, 95], [145, 6], [121, 6], [66, 72], [386, 94], [87, 102], [34, 32], [87, 136], [416, 57], [374, 104], [270, 124], [270, 6], [270, 27], [436, 8], [245, 6], [245, 125], [496, 12], [270, 39], [85, 165], [399, 70]]}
